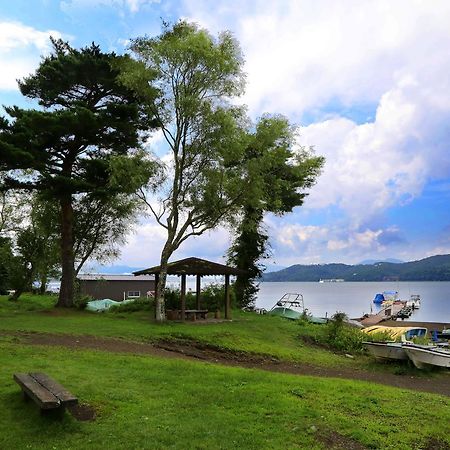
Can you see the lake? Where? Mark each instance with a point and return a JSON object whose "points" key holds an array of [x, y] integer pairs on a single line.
{"points": [[356, 298]]}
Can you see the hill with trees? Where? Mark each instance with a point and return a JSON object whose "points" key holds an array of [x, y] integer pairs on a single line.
{"points": [[434, 268]]}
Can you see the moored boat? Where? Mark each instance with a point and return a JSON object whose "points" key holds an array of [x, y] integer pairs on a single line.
{"points": [[386, 296], [414, 301]]}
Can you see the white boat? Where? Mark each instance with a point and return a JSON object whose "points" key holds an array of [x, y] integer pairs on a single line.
{"points": [[392, 349], [414, 301], [386, 350], [423, 356]]}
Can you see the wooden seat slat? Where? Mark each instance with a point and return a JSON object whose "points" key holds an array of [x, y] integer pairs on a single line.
{"points": [[43, 397], [59, 391]]}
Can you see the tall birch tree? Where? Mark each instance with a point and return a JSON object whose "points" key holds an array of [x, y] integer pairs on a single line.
{"points": [[196, 76]]}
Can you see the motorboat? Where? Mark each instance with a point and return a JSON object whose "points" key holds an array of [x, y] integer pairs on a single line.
{"points": [[424, 356], [414, 301], [392, 349], [386, 350], [290, 306], [386, 296]]}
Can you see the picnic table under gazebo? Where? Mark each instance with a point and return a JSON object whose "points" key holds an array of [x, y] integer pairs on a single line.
{"points": [[195, 267]]}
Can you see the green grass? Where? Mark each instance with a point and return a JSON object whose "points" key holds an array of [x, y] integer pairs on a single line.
{"points": [[149, 402], [145, 402], [247, 332]]}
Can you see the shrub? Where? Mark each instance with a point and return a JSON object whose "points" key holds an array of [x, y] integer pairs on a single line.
{"points": [[140, 304], [211, 298], [340, 336], [81, 301]]}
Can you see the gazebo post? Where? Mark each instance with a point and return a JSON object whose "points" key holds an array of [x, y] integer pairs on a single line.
{"points": [[183, 297], [227, 297], [197, 293]]}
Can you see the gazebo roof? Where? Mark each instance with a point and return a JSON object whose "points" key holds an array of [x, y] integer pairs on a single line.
{"points": [[193, 266]]}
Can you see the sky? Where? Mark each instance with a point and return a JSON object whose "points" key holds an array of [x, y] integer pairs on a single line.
{"points": [[367, 82]]}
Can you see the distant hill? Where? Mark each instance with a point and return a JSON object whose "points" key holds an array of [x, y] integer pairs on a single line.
{"points": [[434, 268], [114, 270], [388, 260]]}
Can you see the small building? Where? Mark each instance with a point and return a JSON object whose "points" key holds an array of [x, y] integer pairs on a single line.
{"points": [[116, 287]]}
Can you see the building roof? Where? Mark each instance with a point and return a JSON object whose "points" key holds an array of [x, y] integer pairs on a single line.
{"points": [[109, 277], [193, 266]]}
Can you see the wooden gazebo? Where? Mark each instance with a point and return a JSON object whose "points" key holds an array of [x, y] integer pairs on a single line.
{"points": [[198, 267]]}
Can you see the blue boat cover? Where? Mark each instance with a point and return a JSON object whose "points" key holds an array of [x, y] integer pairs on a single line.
{"points": [[379, 298]]}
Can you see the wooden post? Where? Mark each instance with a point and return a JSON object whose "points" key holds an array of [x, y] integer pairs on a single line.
{"points": [[198, 288], [183, 297], [156, 288], [227, 297]]}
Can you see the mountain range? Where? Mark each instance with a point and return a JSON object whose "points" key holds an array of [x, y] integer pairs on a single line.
{"points": [[433, 268]]}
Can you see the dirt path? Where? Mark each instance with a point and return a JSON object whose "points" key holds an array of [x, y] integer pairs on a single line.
{"points": [[438, 384]]}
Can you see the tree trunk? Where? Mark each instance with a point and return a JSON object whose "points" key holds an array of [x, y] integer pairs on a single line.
{"points": [[66, 292], [43, 286], [160, 313]]}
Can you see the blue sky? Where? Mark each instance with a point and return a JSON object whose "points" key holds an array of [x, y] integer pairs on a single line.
{"points": [[367, 81]]}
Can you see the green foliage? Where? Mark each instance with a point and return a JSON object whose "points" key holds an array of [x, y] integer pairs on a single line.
{"points": [[81, 301], [212, 298], [6, 264], [338, 335], [76, 143], [277, 175], [140, 304]]}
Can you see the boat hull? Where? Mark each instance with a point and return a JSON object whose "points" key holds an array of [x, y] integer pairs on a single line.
{"points": [[423, 357], [386, 350], [287, 313]]}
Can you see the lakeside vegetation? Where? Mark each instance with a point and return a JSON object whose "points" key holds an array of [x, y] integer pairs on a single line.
{"points": [[434, 268], [153, 402]]}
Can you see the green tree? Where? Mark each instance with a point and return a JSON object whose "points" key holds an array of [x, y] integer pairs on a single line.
{"points": [[278, 172], [196, 75], [6, 260], [80, 139], [101, 226]]}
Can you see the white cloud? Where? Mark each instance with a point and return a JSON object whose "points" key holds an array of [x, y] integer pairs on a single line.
{"points": [[302, 55], [133, 6], [20, 49], [373, 166]]}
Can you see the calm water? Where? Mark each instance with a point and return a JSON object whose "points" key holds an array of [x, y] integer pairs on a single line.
{"points": [[355, 299]]}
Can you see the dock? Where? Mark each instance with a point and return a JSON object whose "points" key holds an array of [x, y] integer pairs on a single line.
{"points": [[387, 313]]}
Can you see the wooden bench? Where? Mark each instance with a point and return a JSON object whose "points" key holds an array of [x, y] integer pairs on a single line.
{"points": [[46, 392], [191, 314], [194, 314]]}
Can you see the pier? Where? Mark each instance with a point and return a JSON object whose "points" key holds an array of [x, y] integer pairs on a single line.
{"points": [[388, 313]]}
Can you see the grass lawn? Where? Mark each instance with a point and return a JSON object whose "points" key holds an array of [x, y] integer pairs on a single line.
{"points": [[150, 402], [156, 403], [247, 332]]}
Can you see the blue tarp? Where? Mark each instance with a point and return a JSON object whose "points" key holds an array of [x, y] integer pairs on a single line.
{"points": [[379, 298]]}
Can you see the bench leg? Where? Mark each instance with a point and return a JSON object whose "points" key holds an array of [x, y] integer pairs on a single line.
{"points": [[57, 413]]}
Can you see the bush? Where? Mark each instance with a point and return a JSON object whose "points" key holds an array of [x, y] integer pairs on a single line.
{"points": [[82, 300], [338, 335], [343, 337], [212, 298], [140, 304]]}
